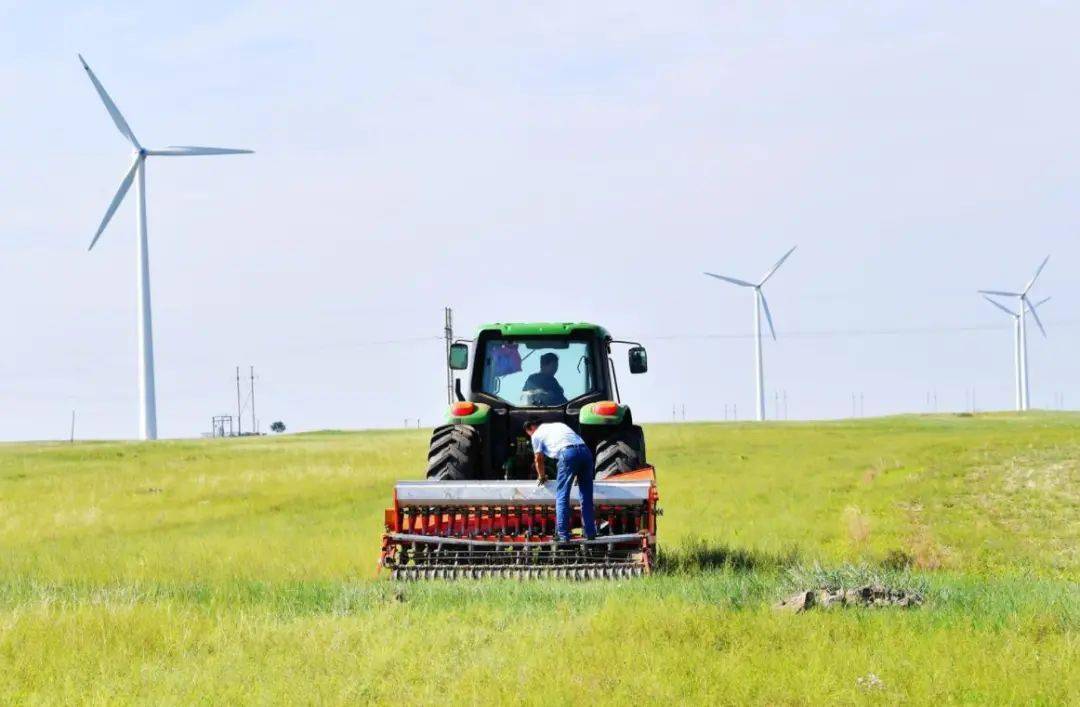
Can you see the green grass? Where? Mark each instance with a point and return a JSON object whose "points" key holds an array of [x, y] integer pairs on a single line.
{"points": [[244, 571]]}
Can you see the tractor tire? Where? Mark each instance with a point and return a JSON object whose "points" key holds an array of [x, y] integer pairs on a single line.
{"points": [[454, 453], [621, 452]]}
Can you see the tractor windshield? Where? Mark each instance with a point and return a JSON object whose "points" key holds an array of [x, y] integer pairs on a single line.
{"points": [[536, 372]]}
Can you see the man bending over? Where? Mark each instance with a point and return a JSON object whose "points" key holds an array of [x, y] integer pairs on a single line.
{"points": [[557, 441]]}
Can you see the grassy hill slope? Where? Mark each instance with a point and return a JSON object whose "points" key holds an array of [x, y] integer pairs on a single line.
{"points": [[244, 570]]}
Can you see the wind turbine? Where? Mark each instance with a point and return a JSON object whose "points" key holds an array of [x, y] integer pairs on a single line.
{"points": [[1021, 328], [759, 304], [1017, 343], [137, 171]]}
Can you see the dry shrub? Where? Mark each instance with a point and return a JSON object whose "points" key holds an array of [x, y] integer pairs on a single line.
{"points": [[858, 525], [928, 553]]}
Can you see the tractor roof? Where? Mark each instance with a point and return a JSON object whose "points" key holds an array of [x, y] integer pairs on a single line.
{"points": [[543, 328]]}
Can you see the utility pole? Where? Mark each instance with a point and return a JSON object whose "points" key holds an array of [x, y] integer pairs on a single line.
{"points": [[254, 423], [239, 425], [448, 334]]}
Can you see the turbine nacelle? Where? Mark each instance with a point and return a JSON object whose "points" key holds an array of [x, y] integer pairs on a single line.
{"points": [[1029, 307]]}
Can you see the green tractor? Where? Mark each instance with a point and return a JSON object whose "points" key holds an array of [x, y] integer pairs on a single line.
{"points": [[559, 372]]}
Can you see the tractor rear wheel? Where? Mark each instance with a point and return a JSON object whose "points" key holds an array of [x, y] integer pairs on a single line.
{"points": [[621, 452], [454, 453]]}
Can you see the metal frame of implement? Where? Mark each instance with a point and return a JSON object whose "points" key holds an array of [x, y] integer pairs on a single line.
{"points": [[475, 529]]}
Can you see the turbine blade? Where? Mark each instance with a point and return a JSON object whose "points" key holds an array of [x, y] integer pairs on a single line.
{"points": [[1000, 306], [1001, 293], [121, 124], [777, 266], [735, 281], [1040, 303], [1035, 316], [120, 193], [768, 315], [194, 151], [1036, 276]]}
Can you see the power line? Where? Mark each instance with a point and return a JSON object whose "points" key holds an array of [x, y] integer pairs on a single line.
{"points": [[843, 332]]}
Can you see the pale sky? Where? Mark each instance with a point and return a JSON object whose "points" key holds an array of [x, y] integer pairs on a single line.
{"points": [[535, 161]]}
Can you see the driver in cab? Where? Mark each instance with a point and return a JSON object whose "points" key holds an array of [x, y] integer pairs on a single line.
{"points": [[541, 388]]}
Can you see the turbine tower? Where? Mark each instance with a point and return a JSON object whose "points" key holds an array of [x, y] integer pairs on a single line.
{"points": [[137, 171], [1021, 328], [759, 304], [1016, 343]]}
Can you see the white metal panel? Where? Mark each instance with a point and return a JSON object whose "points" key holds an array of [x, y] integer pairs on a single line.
{"points": [[522, 493]]}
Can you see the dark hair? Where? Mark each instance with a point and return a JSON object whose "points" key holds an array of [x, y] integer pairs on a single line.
{"points": [[549, 357], [533, 421]]}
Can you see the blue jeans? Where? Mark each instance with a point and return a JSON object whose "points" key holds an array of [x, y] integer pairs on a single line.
{"points": [[574, 463]]}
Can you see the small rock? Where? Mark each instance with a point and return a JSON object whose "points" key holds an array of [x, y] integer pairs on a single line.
{"points": [[912, 600], [797, 603], [827, 599], [857, 596]]}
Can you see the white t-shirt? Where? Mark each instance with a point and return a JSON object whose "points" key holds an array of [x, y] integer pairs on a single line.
{"points": [[551, 438]]}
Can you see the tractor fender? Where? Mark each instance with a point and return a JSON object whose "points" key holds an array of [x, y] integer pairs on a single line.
{"points": [[604, 412], [478, 415]]}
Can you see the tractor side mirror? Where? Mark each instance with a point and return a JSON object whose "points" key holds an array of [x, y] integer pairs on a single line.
{"points": [[459, 357], [639, 360]]}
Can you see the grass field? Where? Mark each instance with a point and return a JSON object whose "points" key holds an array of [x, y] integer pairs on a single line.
{"points": [[244, 571]]}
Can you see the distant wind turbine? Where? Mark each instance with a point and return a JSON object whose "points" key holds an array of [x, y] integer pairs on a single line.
{"points": [[147, 404], [759, 304], [1017, 344], [1024, 392]]}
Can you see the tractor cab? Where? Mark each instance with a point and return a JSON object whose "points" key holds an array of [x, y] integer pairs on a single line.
{"points": [[541, 367], [554, 371]]}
